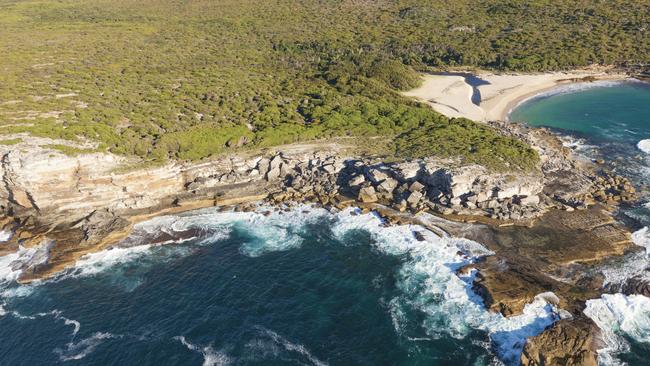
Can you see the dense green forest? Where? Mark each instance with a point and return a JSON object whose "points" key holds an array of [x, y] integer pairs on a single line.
{"points": [[170, 79]]}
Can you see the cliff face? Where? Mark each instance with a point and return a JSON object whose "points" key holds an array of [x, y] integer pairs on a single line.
{"points": [[61, 207], [45, 191], [48, 184], [55, 188]]}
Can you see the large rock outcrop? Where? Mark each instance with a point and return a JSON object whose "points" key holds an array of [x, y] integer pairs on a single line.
{"points": [[566, 343]]}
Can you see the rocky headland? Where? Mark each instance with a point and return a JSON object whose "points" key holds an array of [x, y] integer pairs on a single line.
{"points": [[547, 226]]}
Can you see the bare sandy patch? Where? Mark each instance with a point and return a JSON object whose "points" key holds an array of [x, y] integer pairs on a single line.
{"points": [[490, 96]]}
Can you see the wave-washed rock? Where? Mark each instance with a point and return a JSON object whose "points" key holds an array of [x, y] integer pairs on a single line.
{"points": [[78, 204]]}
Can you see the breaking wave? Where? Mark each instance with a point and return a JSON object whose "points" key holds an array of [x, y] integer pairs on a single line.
{"points": [[644, 145], [210, 356], [619, 316], [429, 284], [427, 280], [633, 265]]}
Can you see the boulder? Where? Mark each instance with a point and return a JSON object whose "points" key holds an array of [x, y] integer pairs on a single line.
{"points": [[416, 187], [329, 168], [357, 181], [273, 174], [376, 176], [482, 197], [507, 192], [529, 200], [414, 198], [263, 166], [367, 195], [275, 162], [388, 185]]}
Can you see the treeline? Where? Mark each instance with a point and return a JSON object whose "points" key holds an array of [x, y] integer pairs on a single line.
{"points": [[187, 80]]}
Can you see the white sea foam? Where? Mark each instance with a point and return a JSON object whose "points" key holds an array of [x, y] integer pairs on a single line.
{"points": [[429, 284], [427, 279], [58, 316], [94, 263], [81, 349], [7, 272], [634, 265], [644, 145], [5, 235], [293, 347], [210, 356], [12, 265], [617, 316]]}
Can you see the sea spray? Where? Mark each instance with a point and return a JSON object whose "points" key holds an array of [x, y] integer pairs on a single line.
{"points": [[619, 316], [644, 145], [633, 265], [427, 280]]}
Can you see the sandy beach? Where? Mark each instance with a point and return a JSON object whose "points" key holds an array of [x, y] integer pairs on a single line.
{"points": [[490, 96]]}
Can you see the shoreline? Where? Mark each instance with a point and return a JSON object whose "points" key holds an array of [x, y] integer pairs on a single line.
{"points": [[487, 96], [559, 86]]}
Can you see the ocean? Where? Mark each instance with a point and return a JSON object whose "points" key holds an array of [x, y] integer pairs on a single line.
{"points": [[272, 287], [609, 120], [306, 286]]}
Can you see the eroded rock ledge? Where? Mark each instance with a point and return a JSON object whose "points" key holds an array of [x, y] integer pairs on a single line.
{"points": [[61, 207]]}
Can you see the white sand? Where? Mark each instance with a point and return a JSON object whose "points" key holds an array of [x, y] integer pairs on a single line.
{"points": [[451, 95]]}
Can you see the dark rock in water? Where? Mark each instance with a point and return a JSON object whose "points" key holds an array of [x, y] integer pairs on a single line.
{"points": [[636, 286], [569, 342], [419, 236]]}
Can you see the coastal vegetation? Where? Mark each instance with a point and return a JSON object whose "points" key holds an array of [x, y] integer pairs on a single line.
{"points": [[164, 79]]}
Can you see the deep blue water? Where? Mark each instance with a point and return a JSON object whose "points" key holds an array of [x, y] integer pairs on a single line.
{"points": [[285, 293], [306, 287]]}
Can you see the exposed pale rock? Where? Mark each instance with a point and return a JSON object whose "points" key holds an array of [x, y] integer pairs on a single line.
{"points": [[20, 197], [357, 181], [529, 200], [273, 174], [329, 168], [376, 175], [368, 195], [414, 198], [388, 185], [416, 187], [567, 343]]}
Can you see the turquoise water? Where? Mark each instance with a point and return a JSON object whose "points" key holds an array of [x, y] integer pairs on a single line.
{"points": [[310, 287], [303, 287], [613, 117], [616, 112], [610, 121]]}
